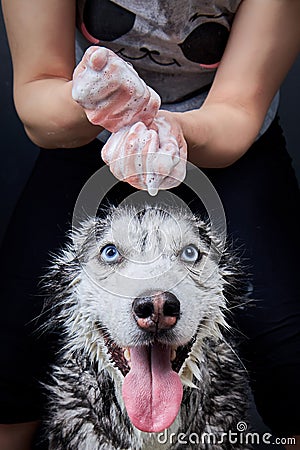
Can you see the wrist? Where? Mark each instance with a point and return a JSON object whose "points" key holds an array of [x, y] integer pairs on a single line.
{"points": [[195, 128], [51, 118], [217, 134]]}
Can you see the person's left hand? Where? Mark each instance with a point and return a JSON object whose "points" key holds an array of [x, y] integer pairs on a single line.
{"points": [[148, 158], [111, 92]]}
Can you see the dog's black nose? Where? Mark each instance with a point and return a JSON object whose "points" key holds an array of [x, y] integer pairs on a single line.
{"points": [[159, 311]]}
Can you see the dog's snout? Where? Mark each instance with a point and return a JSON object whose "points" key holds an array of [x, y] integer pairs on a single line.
{"points": [[156, 312], [171, 306]]}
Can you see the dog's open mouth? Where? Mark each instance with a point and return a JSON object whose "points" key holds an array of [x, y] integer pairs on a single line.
{"points": [[152, 389]]}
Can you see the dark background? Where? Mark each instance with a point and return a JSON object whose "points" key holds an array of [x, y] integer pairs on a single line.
{"points": [[18, 153]]}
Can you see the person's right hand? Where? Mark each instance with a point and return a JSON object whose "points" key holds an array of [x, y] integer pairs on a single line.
{"points": [[111, 92], [148, 158]]}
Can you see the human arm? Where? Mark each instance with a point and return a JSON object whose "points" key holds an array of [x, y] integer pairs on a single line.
{"points": [[264, 41], [42, 41], [41, 36], [263, 44]]}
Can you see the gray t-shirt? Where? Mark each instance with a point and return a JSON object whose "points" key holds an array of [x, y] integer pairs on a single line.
{"points": [[174, 45]]}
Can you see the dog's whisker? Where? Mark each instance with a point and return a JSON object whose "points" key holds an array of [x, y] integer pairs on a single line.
{"points": [[240, 305], [235, 354]]}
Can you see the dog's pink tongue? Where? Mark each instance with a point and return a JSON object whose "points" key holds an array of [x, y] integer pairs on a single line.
{"points": [[152, 391]]}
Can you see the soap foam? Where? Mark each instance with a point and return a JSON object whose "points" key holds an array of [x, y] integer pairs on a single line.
{"points": [[111, 92], [143, 149], [146, 158]]}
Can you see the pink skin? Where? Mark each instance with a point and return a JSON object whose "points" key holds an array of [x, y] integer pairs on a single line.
{"points": [[149, 158], [152, 391], [127, 151], [111, 92]]}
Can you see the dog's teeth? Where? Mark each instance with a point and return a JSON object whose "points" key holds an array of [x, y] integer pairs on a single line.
{"points": [[127, 354], [173, 354]]}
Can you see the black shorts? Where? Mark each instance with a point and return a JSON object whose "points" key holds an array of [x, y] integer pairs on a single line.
{"points": [[261, 200]]}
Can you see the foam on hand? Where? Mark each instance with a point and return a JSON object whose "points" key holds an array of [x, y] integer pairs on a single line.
{"points": [[145, 149], [148, 159], [111, 92]]}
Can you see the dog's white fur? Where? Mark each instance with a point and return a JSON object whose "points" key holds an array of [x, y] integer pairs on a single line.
{"points": [[93, 302]]}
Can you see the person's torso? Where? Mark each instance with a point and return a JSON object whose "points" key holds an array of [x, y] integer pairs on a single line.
{"points": [[174, 45]]}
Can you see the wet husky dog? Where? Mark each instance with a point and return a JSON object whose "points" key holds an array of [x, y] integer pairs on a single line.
{"points": [[145, 363]]}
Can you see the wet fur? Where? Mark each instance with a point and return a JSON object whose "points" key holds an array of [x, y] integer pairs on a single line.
{"points": [[86, 407]]}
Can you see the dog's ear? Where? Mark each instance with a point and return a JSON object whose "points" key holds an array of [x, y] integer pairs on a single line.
{"points": [[232, 270], [204, 230], [83, 234], [63, 270], [57, 288], [65, 266], [85, 239], [236, 285]]}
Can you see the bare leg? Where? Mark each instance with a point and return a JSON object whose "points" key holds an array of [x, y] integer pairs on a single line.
{"points": [[17, 436]]}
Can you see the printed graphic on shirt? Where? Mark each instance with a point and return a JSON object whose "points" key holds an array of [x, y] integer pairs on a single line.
{"points": [[170, 37], [202, 27]]}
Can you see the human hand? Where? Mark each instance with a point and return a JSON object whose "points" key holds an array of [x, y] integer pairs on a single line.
{"points": [[148, 158], [111, 92]]}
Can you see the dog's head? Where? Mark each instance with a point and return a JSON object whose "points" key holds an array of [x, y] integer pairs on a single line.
{"points": [[145, 287]]}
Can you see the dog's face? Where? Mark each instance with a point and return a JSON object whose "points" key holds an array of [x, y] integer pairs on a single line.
{"points": [[151, 287]]}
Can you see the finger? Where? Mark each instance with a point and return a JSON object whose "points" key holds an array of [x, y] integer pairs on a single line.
{"points": [[112, 152], [152, 107], [171, 138], [147, 107], [109, 150], [176, 176], [122, 149], [96, 79], [125, 97], [167, 157], [116, 111], [171, 160], [140, 142], [117, 98], [132, 168], [96, 58], [150, 146], [177, 164], [129, 158]]}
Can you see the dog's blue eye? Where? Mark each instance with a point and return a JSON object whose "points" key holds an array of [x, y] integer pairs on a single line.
{"points": [[190, 254], [110, 253]]}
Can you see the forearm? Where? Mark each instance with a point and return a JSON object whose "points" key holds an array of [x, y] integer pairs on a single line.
{"points": [[218, 134], [52, 119]]}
